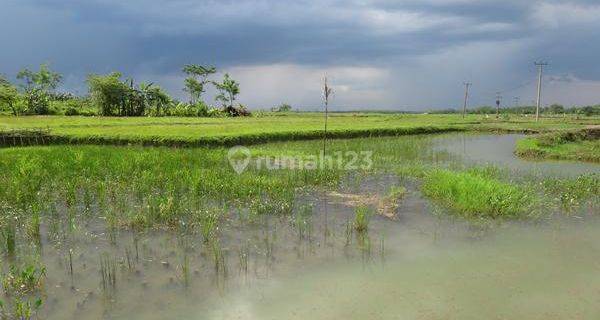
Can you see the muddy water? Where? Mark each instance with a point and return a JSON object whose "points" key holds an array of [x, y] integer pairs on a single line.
{"points": [[312, 266]]}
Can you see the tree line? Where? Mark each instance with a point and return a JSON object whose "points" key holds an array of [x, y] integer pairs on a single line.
{"points": [[113, 95], [554, 109]]}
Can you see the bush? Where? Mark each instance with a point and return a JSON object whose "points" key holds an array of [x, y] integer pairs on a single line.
{"points": [[198, 109], [73, 107], [38, 102]]}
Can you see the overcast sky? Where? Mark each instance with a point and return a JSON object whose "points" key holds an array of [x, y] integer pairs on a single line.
{"points": [[379, 54]]}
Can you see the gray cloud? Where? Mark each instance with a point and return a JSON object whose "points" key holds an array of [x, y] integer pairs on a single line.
{"points": [[416, 53]]}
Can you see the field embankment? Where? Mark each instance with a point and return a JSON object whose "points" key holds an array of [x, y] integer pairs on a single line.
{"points": [[193, 132]]}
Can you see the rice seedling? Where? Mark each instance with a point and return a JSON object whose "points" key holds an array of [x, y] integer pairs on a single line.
{"points": [[243, 256], [362, 218], [23, 280], [218, 258], [71, 263], [8, 234], [382, 249], [184, 271], [208, 221], [33, 227], [349, 232], [571, 194], [23, 308], [129, 259], [302, 221], [108, 273]]}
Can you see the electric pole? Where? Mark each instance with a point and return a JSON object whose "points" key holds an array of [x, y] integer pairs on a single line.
{"points": [[540, 66], [498, 100], [517, 101], [327, 91], [467, 85]]}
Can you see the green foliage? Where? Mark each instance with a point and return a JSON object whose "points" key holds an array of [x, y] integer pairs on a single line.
{"points": [[228, 90], [38, 101], [9, 96], [196, 80], [8, 237], [200, 109], [476, 194], [38, 86], [581, 145], [572, 193], [109, 93], [44, 80], [114, 97], [27, 279], [362, 218], [155, 98]]}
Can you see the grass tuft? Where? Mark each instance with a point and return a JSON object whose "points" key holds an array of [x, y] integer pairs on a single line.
{"points": [[476, 194]]}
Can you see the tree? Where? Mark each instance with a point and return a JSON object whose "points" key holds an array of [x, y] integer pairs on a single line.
{"points": [[37, 86], [9, 96], [284, 107], [45, 79], [114, 96], [109, 93], [228, 90], [196, 80], [155, 97], [557, 108]]}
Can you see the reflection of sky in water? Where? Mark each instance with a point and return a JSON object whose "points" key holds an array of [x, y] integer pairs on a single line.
{"points": [[499, 150], [520, 272]]}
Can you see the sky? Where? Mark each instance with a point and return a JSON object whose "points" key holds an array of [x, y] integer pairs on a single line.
{"points": [[377, 54]]}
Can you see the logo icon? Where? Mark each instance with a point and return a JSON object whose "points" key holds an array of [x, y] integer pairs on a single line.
{"points": [[239, 158]]}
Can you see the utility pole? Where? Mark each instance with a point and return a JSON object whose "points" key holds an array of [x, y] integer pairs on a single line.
{"points": [[540, 66], [327, 91], [498, 101], [517, 101], [467, 85]]}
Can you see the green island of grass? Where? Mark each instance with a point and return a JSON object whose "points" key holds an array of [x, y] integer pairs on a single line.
{"points": [[582, 145]]}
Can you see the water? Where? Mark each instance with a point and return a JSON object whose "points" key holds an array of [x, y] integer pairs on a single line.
{"points": [[499, 150], [421, 265], [518, 273]]}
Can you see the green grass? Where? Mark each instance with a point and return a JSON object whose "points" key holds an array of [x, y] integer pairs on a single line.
{"points": [[476, 194], [140, 187], [271, 127], [583, 145], [362, 218]]}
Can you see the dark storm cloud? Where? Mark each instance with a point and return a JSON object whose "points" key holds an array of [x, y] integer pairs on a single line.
{"points": [[156, 37]]}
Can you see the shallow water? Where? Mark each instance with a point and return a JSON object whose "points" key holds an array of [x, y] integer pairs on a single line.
{"points": [[311, 265], [499, 150]]}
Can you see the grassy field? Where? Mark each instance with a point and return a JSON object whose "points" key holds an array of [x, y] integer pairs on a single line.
{"points": [[269, 127], [583, 145]]}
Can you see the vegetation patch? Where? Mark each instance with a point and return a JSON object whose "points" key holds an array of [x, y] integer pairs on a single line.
{"points": [[582, 145], [475, 194]]}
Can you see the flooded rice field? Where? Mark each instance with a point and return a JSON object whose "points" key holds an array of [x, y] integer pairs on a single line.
{"points": [[417, 263]]}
